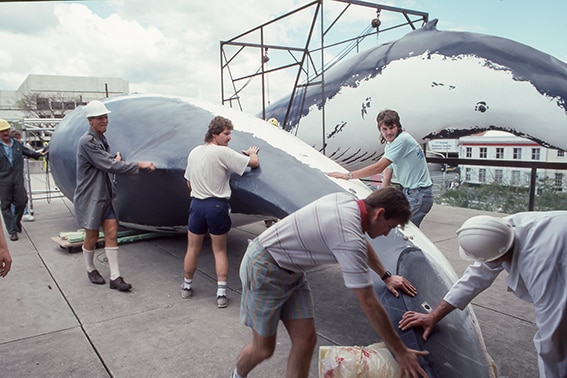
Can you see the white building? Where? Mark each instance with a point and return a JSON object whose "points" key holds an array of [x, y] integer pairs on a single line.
{"points": [[498, 145], [56, 95]]}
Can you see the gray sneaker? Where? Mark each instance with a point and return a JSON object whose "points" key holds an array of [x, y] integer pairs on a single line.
{"points": [[222, 301], [186, 293]]}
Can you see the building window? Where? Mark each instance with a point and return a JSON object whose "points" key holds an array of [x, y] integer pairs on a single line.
{"points": [[69, 105], [515, 178], [499, 153], [517, 155], [560, 153], [558, 182], [535, 153], [56, 105], [498, 175], [482, 154], [469, 152], [482, 175], [42, 103], [468, 174]]}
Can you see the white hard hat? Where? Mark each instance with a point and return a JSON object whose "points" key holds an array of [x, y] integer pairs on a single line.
{"points": [[96, 108], [485, 238]]}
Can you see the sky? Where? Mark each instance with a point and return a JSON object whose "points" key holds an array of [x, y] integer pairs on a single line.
{"points": [[172, 47]]}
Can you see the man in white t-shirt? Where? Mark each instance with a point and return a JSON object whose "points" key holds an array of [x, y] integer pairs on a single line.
{"points": [[330, 230], [532, 248], [208, 177]]}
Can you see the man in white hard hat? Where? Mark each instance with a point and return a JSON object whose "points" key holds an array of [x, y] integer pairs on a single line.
{"points": [[94, 193], [532, 248]]}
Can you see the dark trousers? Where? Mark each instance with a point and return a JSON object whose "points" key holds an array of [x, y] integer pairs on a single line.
{"points": [[13, 192]]}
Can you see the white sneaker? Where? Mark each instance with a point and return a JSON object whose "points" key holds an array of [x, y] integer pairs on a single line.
{"points": [[222, 301], [28, 218], [186, 293]]}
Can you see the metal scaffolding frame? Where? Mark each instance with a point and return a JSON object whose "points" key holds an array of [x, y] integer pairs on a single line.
{"points": [[305, 58], [42, 129]]}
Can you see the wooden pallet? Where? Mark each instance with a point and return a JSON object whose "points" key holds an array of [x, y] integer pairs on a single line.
{"points": [[72, 242], [74, 246]]}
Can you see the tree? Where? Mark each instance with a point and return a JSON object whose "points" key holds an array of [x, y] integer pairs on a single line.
{"points": [[40, 105], [504, 198]]}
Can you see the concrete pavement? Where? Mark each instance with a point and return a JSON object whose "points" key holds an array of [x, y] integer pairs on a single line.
{"points": [[56, 324]]}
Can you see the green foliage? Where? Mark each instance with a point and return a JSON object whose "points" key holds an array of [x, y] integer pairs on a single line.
{"points": [[505, 199], [548, 198]]}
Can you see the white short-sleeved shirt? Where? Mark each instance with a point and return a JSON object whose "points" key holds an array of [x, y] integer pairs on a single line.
{"points": [[408, 161], [209, 167], [327, 231]]}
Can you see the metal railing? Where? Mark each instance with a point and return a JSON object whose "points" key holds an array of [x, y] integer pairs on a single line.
{"points": [[532, 165], [41, 128]]}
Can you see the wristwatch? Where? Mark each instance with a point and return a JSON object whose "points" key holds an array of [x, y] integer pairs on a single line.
{"points": [[386, 275]]}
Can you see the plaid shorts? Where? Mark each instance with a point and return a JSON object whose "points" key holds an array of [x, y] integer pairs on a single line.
{"points": [[271, 293]]}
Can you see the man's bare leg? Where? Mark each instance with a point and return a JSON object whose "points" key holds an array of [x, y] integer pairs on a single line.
{"points": [[303, 340], [261, 348], [194, 243]]}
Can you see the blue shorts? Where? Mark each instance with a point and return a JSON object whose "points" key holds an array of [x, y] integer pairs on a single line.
{"points": [[271, 293], [110, 214], [211, 214]]}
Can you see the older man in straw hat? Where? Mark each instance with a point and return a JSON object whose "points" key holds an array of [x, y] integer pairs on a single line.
{"points": [[12, 189]]}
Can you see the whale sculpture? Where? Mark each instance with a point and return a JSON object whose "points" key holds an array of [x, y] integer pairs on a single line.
{"points": [[164, 129], [444, 84]]}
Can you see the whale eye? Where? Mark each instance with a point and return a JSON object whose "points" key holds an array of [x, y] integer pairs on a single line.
{"points": [[481, 106]]}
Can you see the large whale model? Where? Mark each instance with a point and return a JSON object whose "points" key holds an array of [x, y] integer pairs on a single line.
{"points": [[444, 84], [291, 174]]}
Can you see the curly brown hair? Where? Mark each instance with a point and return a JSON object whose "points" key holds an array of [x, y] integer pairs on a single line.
{"points": [[217, 126]]}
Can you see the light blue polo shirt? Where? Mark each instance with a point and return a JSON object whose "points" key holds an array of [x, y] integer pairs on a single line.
{"points": [[8, 151], [408, 162]]}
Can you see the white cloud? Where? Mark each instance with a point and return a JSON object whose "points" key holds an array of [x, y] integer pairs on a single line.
{"points": [[165, 46], [170, 47]]}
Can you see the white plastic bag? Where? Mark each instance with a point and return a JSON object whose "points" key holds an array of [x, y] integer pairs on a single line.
{"points": [[373, 361]]}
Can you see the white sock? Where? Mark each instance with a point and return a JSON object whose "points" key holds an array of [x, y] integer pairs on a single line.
{"points": [[236, 375], [187, 283], [112, 256], [89, 259], [221, 289]]}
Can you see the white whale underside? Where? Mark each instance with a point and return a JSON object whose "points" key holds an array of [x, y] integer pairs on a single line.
{"points": [[487, 96]]}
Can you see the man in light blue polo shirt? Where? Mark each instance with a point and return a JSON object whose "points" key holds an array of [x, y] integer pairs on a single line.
{"points": [[405, 157]]}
